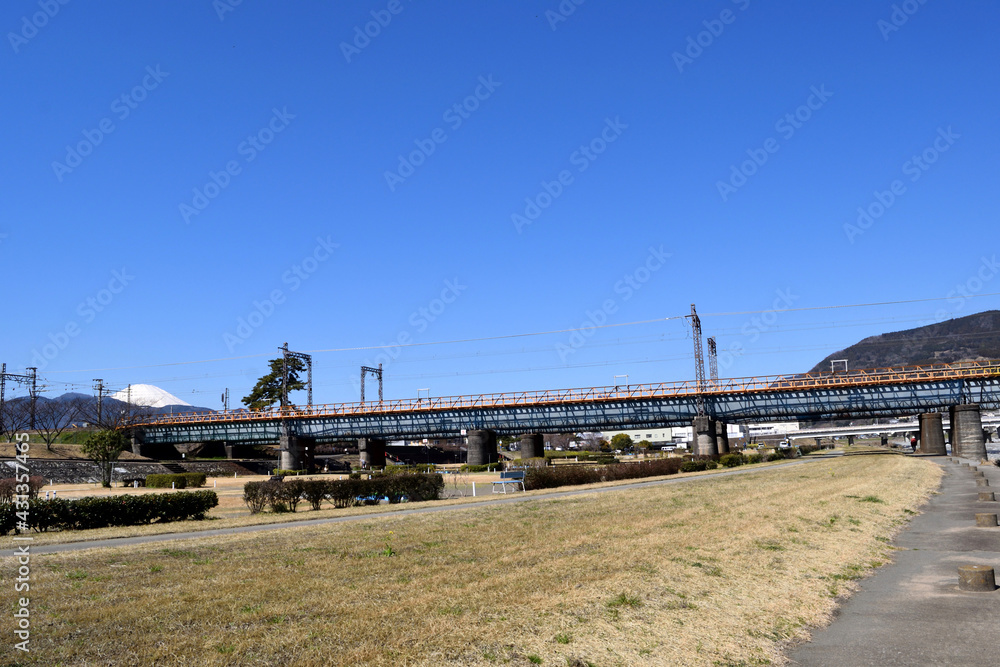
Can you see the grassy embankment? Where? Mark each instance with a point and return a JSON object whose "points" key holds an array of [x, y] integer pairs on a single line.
{"points": [[719, 571]]}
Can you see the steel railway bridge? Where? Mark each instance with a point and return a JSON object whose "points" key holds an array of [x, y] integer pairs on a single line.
{"points": [[880, 392]]}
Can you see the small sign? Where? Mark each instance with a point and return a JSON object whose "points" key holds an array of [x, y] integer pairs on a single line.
{"points": [[464, 432]]}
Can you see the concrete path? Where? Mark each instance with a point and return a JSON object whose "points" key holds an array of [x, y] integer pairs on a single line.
{"points": [[912, 613], [425, 509]]}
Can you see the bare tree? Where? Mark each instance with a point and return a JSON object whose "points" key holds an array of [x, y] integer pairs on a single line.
{"points": [[15, 417], [592, 442], [115, 414], [53, 417]]}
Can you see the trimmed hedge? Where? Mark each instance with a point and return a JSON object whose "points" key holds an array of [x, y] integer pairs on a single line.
{"points": [[488, 467], [101, 512], [568, 475], [398, 469], [178, 481], [283, 496], [731, 460]]}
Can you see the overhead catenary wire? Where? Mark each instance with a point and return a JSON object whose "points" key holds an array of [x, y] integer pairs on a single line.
{"points": [[363, 348]]}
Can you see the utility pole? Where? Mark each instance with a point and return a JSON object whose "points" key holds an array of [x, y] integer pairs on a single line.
{"points": [[225, 400], [29, 379], [100, 401], [376, 372], [34, 393], [284, 374], [699, 360]]}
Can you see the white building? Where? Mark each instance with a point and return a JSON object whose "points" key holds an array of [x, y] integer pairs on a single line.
{"points": [[668, 435]]}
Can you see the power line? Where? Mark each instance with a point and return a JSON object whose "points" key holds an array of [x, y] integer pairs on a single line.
{"points": [[362, 348]]}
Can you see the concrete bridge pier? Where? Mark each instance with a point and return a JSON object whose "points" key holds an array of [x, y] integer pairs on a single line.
{"points": [[372, 451], [532, 446], [967, 425], [722, 437], [951, 431], [932, 434], [482, 447], [705, 439], [297, 452]]}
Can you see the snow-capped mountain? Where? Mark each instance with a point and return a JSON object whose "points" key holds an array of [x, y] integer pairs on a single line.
{"points": [[149, 396]]}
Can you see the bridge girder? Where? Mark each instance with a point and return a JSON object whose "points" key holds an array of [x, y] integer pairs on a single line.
{"points": [[762, 406]]}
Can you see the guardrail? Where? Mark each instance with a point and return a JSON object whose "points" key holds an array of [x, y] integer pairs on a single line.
{"points": [[768, 383]]}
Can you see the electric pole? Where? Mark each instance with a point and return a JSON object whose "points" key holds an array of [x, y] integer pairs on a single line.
{"points": [[376, 372], [34, 393], [713, 361], [100, 398], [307, 359], [699, 360]]}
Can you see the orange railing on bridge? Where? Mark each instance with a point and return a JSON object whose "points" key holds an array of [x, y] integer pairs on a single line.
{"points": [[807, 381]]}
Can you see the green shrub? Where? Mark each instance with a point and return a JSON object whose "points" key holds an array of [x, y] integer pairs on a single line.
{"points": [[395, 469], [753, 458], [694, 465], [483, 468], [711, 465], [195, 479], [731, 460], [289, 473], [104, 511], [176, 481]]}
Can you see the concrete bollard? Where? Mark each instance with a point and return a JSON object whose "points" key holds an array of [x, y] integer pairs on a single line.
{"points": [[976, 578], [986, 496], [986, 520], [473, 489], [982, 481]]}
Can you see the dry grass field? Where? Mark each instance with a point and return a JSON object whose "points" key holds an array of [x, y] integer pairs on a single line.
{"points": [[720, 571]]}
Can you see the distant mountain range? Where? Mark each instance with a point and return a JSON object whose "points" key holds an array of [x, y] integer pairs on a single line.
{"points": [[88, 407], [971, 338]]}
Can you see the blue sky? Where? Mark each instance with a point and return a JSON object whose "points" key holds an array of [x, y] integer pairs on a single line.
{"points": [[187, 181]]}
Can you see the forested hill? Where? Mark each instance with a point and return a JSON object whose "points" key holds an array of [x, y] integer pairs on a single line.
{"points": [[974, 337]]}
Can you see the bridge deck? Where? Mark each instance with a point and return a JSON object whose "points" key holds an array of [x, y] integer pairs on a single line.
{"points": [[810, 382]]}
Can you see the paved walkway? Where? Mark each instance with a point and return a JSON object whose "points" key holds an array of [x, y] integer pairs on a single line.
{"points": [[912, 613], [425, 509]]}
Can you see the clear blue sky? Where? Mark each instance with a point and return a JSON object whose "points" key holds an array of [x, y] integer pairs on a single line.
{"points": [[614, 122]]}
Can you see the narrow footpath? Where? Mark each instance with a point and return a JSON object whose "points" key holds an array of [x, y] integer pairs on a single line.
{"points": [[912, 612]]}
